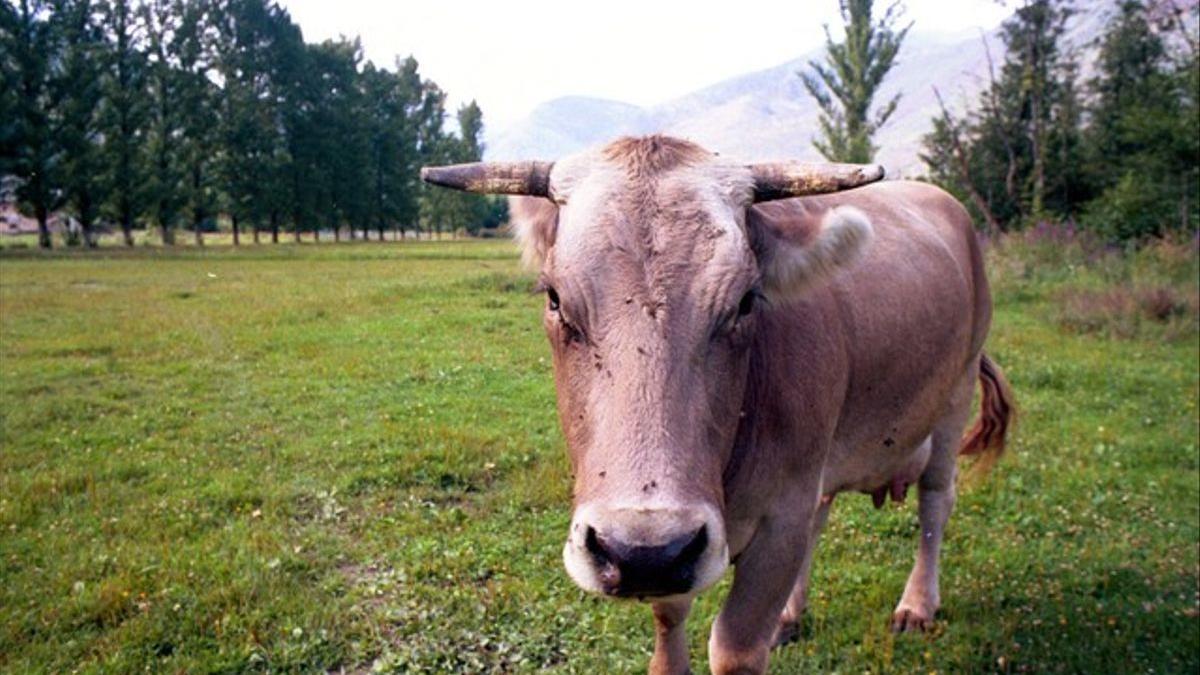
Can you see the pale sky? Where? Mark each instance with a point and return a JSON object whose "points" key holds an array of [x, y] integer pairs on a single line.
{"points": [[511, 56]]}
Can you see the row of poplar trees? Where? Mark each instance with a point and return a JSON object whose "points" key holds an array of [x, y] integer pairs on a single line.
{"points": [[1115, 151], [174, 114]]}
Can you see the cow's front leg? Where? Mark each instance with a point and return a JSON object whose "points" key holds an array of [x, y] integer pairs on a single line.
{"points": [[745, 630], [793, 611], [670, 637]]}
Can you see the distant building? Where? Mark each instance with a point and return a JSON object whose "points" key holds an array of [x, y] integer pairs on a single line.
{"points": [[8, 189], [12, 221]]}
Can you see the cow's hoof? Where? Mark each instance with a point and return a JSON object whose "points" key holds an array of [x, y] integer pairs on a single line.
{"points": [[909, 620], [787, 633]]}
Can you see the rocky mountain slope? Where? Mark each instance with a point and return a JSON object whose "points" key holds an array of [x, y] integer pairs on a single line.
{"points": [[768, 115]]}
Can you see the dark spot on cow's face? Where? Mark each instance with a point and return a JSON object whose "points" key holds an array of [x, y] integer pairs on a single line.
{"points": [[888, 442]]}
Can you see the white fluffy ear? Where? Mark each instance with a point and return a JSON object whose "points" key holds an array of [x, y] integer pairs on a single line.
{"points": [[533, 222], [796, 255]]}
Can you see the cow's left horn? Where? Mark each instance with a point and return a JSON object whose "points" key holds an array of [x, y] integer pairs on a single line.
{"points": [[501, 178], [780, 180]]}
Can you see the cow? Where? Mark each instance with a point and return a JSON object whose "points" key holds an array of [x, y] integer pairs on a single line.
{"points": [[734, 345]]}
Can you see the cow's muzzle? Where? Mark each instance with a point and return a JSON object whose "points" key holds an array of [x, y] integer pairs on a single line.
{"points": [[644, 552]]}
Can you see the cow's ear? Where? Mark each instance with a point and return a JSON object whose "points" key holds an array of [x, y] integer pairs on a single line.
{"points": [[534, 222], [797, 252]]}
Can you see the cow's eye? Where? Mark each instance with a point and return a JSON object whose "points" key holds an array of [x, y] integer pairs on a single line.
{"points": [[552, 299], [747, 304]]}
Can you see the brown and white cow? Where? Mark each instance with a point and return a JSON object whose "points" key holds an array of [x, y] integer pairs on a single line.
{"points": [[731, 350]]}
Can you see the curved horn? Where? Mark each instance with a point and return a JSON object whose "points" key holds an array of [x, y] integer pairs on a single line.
{"points": [[503, 178], [780, 180]]}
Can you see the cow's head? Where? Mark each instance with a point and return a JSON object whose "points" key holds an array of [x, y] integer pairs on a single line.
{"points": [[654, 278]]}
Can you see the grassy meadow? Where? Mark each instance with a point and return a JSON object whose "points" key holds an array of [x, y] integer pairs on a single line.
{"points": [[303, 458]]}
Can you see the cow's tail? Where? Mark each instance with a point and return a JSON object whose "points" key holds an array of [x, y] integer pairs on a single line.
{"points": [[997, 412]]}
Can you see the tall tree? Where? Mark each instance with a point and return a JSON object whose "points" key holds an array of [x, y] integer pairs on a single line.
{"points": [[340, 175], [124, 115], [299, 86], [9, 86], [196, 97], [164, 180], [1143, 136], [385, 109], [285, 59], [846, 84], [948, 154], [248, 135], [30, 43], [77, 81], [435, 146], [472, 209], [1033, 68], [408, 184]]}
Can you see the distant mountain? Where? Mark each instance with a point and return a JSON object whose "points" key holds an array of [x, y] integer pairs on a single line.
{"points": [[768, 115]]}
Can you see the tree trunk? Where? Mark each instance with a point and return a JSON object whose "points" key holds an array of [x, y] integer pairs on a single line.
{"points": [[337, 234], [43, 229], [199, 235], [168, 235], [89, 235], [1039, 160], [237, 239], [1184, 216], [256, 233], [316, 235], [1037, 138], [1010, 176], [127, 231]]}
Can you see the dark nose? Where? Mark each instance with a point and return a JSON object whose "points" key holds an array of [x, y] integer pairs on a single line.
{"points": [[646, 571]]}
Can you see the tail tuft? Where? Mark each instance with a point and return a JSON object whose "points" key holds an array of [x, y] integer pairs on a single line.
{"points": [[997, 412]]}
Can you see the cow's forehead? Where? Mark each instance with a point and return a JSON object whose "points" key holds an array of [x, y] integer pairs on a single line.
{"points": [[614, 203]]}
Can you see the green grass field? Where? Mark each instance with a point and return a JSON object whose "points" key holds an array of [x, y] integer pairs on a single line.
{"points": [[313, 458]]}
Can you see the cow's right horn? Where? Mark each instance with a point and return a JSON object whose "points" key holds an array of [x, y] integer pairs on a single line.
{"points": [[501, 178], [780, 180]]}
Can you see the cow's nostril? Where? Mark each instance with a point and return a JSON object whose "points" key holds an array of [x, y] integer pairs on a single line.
{"points": [[629, 569], [695, 548], [592, 542], [608, 568]]}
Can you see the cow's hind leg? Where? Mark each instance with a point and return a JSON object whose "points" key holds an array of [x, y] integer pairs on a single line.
{"points": [[789, 620], [936, 490]]}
